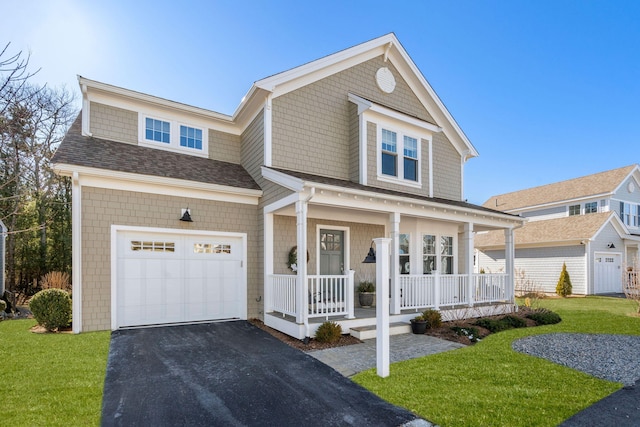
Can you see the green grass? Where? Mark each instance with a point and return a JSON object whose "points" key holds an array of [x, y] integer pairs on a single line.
{"points": [[489, 384], [51, 379]]}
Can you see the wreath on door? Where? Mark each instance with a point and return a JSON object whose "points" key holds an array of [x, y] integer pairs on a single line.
{"points": [[292, 263]]}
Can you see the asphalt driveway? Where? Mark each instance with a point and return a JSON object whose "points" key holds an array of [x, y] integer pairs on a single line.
{"points": [[230, 374]]}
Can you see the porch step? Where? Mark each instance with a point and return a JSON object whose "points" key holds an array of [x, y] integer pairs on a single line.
{"points": [[368, 332]]}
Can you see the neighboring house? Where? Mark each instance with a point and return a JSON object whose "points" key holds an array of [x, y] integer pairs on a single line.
{"points": [[3, 241], [317, 160], [591, 223]]}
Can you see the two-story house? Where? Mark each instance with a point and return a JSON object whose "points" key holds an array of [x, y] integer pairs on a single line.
{"points": [[590, 223], [181, 214]]}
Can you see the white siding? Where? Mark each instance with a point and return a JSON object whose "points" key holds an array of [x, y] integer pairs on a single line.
{"points": [[542, 265]]}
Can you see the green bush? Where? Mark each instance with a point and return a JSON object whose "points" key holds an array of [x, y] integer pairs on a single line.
{"points": [[433, 318], [497, 325], [564, 287], [366, 286], [545, 317], [329, 332], [51, 308]]}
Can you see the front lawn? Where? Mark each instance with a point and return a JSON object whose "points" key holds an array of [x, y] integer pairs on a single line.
{"points": [[489, 384], [51, 379]]}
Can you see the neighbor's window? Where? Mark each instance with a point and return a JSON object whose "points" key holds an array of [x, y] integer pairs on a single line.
{"points": [[574, 210], [428, 253], [157, 130], [446, 254], [389, 153], [190, 137], [591, 207], [410, 158]]}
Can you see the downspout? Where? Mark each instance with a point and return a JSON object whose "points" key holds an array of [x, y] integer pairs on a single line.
{"points": [[305, 284]]}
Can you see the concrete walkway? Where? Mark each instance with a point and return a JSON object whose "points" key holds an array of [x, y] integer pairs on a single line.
{"points": [[351, 359]]}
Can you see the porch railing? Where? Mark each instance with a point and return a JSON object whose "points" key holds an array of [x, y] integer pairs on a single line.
{"points": [[435, 290], [327, 295]]}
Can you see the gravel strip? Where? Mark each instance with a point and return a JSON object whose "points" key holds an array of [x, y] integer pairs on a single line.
{"points": [[610, 357]]}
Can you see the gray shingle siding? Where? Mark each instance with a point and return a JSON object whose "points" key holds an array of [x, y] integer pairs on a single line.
{"points": [[113, 123]]}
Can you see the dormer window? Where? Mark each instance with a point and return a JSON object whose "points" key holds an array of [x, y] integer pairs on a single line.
{"points": [[173, 135], [574, 210], [591, 207], [405, 168]]}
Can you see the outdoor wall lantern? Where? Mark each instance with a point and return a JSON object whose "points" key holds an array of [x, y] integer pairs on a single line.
{"points": [[186, 215], [611, 245], [371, 256]]}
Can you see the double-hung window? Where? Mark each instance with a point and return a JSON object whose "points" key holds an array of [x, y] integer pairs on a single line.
{"points": [[429, 254], [399, 156], [404, 256], [410, 158], [591, 207], [173, 135], [446, 254], [574, 210], [389, 153]]}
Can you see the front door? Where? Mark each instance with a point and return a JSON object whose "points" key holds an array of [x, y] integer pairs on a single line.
{"points": [[331, 252]]}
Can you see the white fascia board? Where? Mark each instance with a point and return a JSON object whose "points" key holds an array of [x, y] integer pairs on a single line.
{"points": [[556, 203], [618, 225], [409, 206], [326, 66], [635, 174], [439, 112], [366, 105], [284, 180], [103, 178], [140, 102]]}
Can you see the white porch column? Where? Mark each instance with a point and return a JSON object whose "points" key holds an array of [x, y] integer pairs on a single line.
{"points": [[350, 289], [302, 311], [509, 260], [268, 261], [382, 306], [468, 260], [394, 272]]}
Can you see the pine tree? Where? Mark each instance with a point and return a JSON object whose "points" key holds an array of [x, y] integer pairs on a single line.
{"points": [[564, 288]]}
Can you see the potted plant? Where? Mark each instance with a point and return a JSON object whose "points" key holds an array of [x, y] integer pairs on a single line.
{"points": [[418, 324], [366, 293]]}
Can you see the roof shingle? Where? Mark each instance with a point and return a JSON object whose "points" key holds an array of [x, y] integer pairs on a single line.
{"points": [[591, 185], [86, 151]]}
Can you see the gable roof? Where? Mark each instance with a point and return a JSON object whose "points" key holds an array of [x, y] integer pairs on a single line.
{"points": [[387, 46], [599, 184], [85, 151], [550, 232]]}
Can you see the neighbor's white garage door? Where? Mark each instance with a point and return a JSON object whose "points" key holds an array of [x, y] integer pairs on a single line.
{"points": [[170, 278], [607, 273]]}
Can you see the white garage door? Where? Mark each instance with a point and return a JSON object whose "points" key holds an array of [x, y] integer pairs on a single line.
{"points": [[170, 278], [607, 273]]}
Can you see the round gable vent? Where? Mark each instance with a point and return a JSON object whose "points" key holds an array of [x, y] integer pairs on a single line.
{"points": [[631, 187], [385, 80]]}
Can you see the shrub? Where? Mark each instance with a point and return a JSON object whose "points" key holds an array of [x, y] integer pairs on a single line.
{"points": [[545, 317], [56, 280], [497, 325], [564, 288], [3, 305], [433, 318], [366, 286], [51, 308], [328, 332]]}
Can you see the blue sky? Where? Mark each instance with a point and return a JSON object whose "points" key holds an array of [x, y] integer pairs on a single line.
{"points": [[546, 90]]}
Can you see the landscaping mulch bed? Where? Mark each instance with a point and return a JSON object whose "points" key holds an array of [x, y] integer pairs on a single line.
{"points": [[444, 332]]}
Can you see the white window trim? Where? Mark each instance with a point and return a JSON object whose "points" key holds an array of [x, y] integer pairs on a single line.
{"points": [[174, 136], [401, 132]]}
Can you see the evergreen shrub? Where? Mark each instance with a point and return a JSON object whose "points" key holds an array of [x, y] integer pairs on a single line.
{"points": [[51, 308], [328, 332]]}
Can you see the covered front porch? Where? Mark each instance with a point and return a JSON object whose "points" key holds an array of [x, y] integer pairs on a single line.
{"points": [[431, 257], [334, 298]]}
